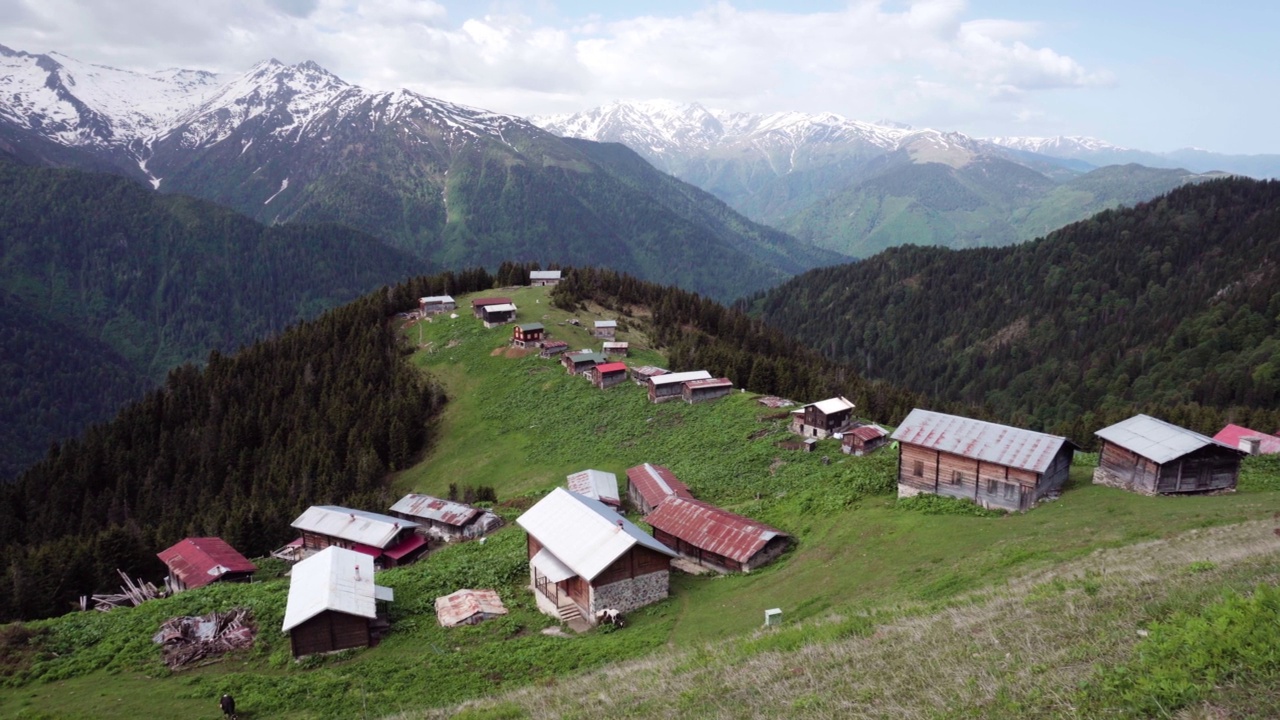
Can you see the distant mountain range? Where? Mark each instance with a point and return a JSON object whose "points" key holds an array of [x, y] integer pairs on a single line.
{"points": [[857, 187], [451, 184], [1099, 152]]}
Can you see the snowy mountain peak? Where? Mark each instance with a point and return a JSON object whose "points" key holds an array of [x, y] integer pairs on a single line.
{"points": [[1060, 146]]}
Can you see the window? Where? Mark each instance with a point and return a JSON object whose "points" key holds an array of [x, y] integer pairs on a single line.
{"points": [[919, 468], [957, 477], [1012, 490], [992, 485]]}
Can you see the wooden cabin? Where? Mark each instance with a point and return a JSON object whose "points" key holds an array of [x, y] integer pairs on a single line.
{"points": [[577, 363], [526, 335], [821, 419], [196, 562], [1150, 456], [714, 537], [436, 304], [696, 391], [606, 375], [648, 485], [1248, 441], [468, 607], [389, 541], [670, 386], [479, 304], [585, 557], [643, 374], [541, 278], [495, 315], [606, 329], [995, 466], [551, 348], [863, 439], [450, 521], [595, 484], [617, 349], [333, 603]]}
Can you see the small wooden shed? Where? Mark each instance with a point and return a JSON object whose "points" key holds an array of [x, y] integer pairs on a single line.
{"points": [[551, 348], [495, 315], [993, 465], [648, 485], [479, 304], [863, 439], [696, 391], [643, 374], [333, 603], [714, 537], [607, 375], [577, 363], [436, 304], [821, 419], [196, 562], [605, 329], [539, 278], [617, 349], [1150, 456]]}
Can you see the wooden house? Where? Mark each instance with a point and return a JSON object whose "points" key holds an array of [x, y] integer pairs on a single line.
{"points": [[606, 329], [495, 315], [595, 484], [863, 439], [450, 521], [389, 541], [670, 386], [551, 348], [648, 485], [1248, 441], [821, 419], [539, 278], [577, 363], [714, 537], [468, 607], [479, 304], [196, 562], [617, 349], [696, 391], [436, 304], [585, 557], [526, 335], [995, 466], [643, 374], [1150, 456], [606, 375], [333, 603]]}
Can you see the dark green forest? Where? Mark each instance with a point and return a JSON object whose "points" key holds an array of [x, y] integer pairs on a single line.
{"points": [[1171, 308], [105, 285]]}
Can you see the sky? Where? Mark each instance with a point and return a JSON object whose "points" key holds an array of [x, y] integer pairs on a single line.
{"points": [[1148, 75]]}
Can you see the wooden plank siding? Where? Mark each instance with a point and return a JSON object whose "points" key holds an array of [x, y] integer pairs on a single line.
{"points": [[637, 561], [330, 631], [988, 484]]}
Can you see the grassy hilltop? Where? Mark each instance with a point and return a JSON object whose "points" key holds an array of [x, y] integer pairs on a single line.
{"points": [[920, 609]]}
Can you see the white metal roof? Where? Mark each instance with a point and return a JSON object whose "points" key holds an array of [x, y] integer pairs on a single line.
{"points": [[549, 567], [833, 405], [505, 307], [1155, 439], [334, 579], [436, 299], [596, 484], [606, 323], [583, 534], [360, 526], [680, 377], [544, 274]]}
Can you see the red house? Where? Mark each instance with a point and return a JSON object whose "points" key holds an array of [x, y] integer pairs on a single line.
{"points": [[527, 335], [196, 562]]}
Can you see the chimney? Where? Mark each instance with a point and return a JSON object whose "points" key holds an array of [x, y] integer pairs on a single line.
{"points": [[1251, 444], [357, 572], [619, 524]]}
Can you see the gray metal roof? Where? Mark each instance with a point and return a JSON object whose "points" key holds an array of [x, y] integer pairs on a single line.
{"points": [[680, 377], [1155, 439], [583, 534], [606, 323], [981, 440], [360, 526], [433, 508], [436, 299], [544, 274]]}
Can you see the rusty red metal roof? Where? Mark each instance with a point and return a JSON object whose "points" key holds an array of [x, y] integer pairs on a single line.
{"points": [[611, 367], [656, 483], [711, 383], [455, 609], [435, 509], [867, 433], [712, 529], [199, 561], [981, 440], [479, 302]]}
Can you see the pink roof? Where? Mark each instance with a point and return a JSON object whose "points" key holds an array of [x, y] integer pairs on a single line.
{"points": [[710, 528], [611, 367], [656, 483], [199, 561], [408, 545], [1231, 435]]}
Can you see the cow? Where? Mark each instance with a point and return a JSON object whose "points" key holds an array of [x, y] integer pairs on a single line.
{"points": [[610, 616]]}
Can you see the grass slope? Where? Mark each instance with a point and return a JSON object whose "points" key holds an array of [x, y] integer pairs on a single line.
{"points": [[866, 571]]}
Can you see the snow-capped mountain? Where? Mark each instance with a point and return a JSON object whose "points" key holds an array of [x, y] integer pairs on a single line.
{"points": [[1101, 152], [1060, 146]]}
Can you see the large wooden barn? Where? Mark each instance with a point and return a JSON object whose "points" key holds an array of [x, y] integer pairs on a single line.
{"points": [[436, 304], [196, 562], [540, 278], [333, 603], [390, 541], [714, 537], [670, 386], [696, 391], [648, 485], [995, 466], [585, 557], [1150, 456]]}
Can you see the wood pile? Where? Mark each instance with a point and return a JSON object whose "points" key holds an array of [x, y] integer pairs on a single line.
{"points": [[132, 594], [188, 639]]}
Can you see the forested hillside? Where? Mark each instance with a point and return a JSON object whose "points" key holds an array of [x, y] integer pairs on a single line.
{"points": [[1172, 307], [105, 285]]}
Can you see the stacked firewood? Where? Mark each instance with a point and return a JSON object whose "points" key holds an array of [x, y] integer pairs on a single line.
{"points": [[188, 639]]}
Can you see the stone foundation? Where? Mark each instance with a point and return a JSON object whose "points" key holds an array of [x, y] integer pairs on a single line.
{"points": [[627, 595], [1103, 476], [905, 491]]}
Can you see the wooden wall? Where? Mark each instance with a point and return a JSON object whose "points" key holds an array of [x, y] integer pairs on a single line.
{"points": [[636, 561], [329, 631], [987, 484]]}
